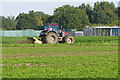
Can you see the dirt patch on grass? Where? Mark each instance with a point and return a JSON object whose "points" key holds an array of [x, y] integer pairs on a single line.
{"points": [[17, 55], [25, 42]]}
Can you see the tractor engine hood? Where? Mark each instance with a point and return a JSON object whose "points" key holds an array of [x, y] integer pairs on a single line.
{"points": [[43, 33], [65, 33]]}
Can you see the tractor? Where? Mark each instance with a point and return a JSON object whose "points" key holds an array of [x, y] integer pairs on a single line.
{"points": [[53, 34]]}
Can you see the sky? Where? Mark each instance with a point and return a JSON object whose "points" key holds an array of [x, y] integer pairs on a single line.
{"points": [[14, 7]]}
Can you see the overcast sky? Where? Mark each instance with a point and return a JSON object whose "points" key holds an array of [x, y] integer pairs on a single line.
{"points": [[14, 7]]}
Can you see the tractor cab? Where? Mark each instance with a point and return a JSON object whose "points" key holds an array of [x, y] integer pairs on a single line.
{"points": [[52, 27]]}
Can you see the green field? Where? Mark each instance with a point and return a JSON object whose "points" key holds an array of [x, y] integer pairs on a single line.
{"points": [[88, 57]]}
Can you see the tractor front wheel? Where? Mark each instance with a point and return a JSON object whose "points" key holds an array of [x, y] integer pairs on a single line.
{"points": [[69, 39]]}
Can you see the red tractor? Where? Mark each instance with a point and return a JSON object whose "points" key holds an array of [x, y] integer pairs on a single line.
{"points": [[52, 34]]}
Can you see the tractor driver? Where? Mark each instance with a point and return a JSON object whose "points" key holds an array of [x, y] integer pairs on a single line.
{"points": [[60, 32]]}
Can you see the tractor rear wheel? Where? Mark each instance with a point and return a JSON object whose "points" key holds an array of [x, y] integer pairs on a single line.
{"points": [[51, 38], [69, 39]]}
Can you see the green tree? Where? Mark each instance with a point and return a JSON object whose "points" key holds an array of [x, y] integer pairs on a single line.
{"points": [[104, 13], [8, 23], [70, 17], [28, 21], [88, 9], [115, 23], [46, 19], [39, 13], [83, 7]]}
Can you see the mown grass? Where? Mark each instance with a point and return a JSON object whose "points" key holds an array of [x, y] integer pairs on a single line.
{"points": [[92, 66], [12, 40], [59, 49], [78, 39], [96, 39], [88, 57]]}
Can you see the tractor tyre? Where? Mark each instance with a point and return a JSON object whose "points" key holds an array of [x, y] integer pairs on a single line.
{"points": [[51, 38], [69, 39]]}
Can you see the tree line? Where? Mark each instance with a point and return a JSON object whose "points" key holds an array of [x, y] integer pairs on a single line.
{"points": [[70, 17]]}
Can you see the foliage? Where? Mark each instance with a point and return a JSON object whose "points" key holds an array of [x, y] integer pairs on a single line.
{"points": [[70, 17], [88, 9], [116, 22], [104, 13], [46, 19], [8, 23], [28, 21], [39, 14]]}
